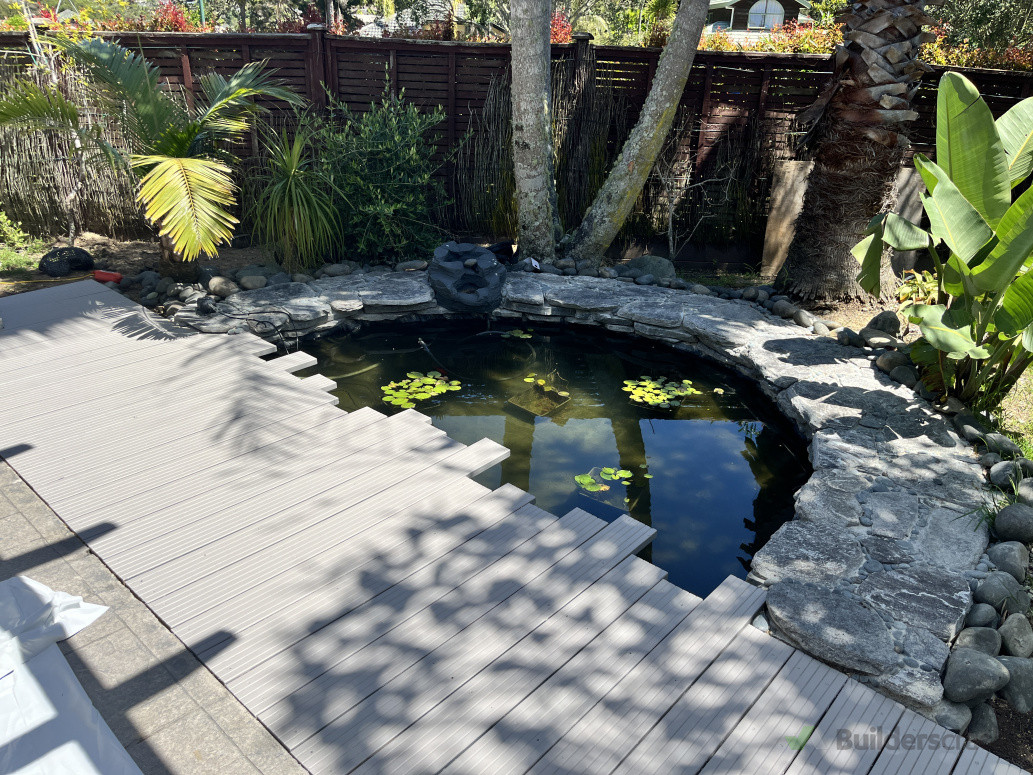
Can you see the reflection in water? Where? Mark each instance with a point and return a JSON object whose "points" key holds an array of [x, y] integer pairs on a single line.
{"points": [[715, 477]]}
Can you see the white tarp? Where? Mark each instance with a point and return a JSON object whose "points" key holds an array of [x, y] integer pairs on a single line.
{"points": [[48, 726]]}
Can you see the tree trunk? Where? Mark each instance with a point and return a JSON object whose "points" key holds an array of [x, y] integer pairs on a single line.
{"points": [[532, 128], [621, 190], [860, 148]]}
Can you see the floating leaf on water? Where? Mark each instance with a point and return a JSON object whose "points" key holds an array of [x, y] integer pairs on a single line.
{"points": [[642, 465], [563, 393], [541, 382], [528, 379], [627, 500], [626, 482], [719, 391], [407, 405], [623, 473], [434, 374], [648, 476], [413, 375]]}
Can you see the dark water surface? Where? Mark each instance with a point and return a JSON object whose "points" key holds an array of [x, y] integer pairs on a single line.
{"points": [[715, 477]]}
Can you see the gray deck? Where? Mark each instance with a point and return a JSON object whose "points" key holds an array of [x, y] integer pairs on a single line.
{"points": [[372, 606]]}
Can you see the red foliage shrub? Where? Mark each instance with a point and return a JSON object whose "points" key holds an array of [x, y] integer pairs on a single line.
{"points": [[560, 29]]}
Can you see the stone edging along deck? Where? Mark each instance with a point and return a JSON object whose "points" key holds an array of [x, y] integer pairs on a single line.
{"points": [[875, 574]]}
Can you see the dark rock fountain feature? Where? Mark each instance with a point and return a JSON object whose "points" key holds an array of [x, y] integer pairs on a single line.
{"points": [[466, 277]]}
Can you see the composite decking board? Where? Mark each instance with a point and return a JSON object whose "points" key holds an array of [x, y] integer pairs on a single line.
{"points": [[319, 382], [685, 738], [292, 362], [919, 758], [375, 559], [182, 370], [263, 684], [345, 741], [228, 539], [448, 729], [625, 714], [295, 716], [402, 618], [94, 418], [150, 519], [857, 711], [216, 463], [798, 696], [170, 454], [976, 761], [267, 584], [103, 436], [519, 738]]}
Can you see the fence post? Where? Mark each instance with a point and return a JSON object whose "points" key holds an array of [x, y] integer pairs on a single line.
{"points": [[316, 66], [188, 77], [704, 116]]}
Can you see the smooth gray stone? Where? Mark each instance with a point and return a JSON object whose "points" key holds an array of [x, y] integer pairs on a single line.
{"points": [[888, 361], [1003, 592], [990, 459], [886, 321], [905, 375], [338, 270], [972, 676], [831, 626], [849, 338], [982, 615], [1015, 523], [252, 282], [645, 279], [1006, 475], [1016, 636], [803, 318], [655, 265], [955, 716], [983, 728], [1011, 557], [1019, 690], [1002, 445], [983, 639]]}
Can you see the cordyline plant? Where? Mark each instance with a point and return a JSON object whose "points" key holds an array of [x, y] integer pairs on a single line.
{"points": [[177, 150], [977, 339]]}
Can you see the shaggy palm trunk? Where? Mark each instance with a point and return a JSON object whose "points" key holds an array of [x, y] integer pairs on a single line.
{"points": [[621, 190], [532, 128], [861, 145]]}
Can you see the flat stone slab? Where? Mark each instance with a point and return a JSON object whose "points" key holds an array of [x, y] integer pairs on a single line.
{"points": [[583, 295], [797, 551], [398, 292], [523, 288], [832, 627], [653, 313], [923, 596], [294, 302], [892, 514]]}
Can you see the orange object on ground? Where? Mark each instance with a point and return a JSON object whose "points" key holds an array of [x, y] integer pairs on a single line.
{"points": [[106, 277]]}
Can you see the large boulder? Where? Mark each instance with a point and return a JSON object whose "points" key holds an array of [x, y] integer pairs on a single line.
{"points": [[1015, 523], [466, 277], [659, 267], [1019, 690], [973, 676], [1003, 592]]}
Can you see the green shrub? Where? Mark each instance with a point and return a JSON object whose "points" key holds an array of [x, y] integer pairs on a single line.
{"points": [[380, 168], [977, 338], [12, 238]]}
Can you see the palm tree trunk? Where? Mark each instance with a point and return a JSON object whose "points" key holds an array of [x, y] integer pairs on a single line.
{"points": [[861, 145], [532, 128], [621, 190]]}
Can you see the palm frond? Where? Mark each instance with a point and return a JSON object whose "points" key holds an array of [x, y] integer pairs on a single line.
{"points": [[27, 105], [133, 87], [187, 199], [231, 101]]}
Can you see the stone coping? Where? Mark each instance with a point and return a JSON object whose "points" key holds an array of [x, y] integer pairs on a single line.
{"points": [[875, 573]]}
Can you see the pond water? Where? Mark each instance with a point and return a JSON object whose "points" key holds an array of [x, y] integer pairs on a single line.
{"points": [[715, 476]]}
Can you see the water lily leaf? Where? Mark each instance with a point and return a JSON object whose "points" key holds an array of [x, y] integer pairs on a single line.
{"points": [[433, 373], [624, 473], [585, 479], [407, 405], [528, 379], [648, 476], [563, 393]]}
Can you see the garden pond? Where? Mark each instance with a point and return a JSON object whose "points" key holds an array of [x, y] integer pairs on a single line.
{"points": [[606, 423]]}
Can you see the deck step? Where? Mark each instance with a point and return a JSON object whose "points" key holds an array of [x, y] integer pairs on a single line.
{"points": [[293, 362]]}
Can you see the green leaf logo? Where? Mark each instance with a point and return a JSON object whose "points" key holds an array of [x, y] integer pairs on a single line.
{"points": [[797, 743]]}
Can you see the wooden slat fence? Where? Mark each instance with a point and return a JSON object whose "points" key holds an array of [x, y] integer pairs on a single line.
{"points": [[725, 90]]}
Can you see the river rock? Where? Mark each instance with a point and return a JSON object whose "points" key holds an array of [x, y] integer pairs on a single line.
{"points": [[797, 550], [982, 615], [886, 321], [1019, 690], [972, 676], [337, 270], [1003, 592], [1002, 445], [831, 626], [874, 337], [1011, 557], [849, 337], [253, 282], [414, 265], [1016, 636], [983, 639], [983, 728], [656, 266], [1024, 492], [223, 287], [1006, 475], [888, 361], [924, 596], [1015, 523], [905, 375], [645, 279], [955, 716]]}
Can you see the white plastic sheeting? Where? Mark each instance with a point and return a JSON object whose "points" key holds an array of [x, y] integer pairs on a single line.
{"points": [[48, 726]]}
